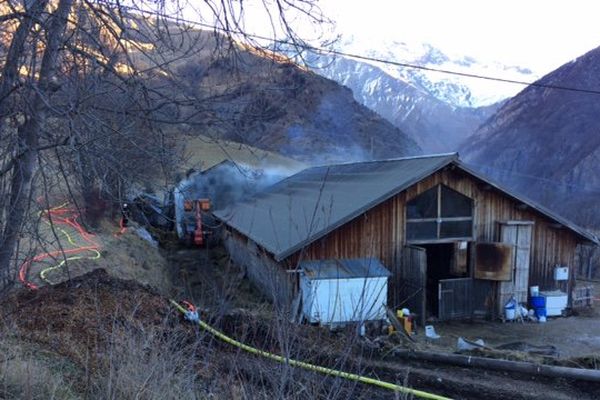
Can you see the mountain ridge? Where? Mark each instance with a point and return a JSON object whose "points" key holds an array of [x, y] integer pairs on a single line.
{"points": [[278, 106], [455, 90], [550, 134], [434, 124]]}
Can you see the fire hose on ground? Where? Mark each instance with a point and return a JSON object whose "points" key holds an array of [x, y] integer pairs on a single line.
{"points": [[61, 215], [312, 367]]}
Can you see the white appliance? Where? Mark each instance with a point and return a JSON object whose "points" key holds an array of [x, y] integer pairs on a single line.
{"points": [[556, 302]]}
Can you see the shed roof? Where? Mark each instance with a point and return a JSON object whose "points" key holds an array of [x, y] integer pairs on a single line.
{"points": [[344, 269], [312, 203]]}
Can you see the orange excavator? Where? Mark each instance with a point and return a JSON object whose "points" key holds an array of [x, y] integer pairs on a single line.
{"points": [[194, 225]]}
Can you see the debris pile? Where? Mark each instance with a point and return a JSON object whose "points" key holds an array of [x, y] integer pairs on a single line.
{"points": [[76, 318]]}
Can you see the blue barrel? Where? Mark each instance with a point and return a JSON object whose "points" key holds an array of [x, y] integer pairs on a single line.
{"points": [[538, 302]]}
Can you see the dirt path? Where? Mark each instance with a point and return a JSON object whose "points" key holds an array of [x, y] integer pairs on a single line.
{"points": [[207, 278], [572, 336]]}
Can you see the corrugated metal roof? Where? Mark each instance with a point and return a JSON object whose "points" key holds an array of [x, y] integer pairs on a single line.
{"points": [[312, 203], [344, 269], [306, 206]]}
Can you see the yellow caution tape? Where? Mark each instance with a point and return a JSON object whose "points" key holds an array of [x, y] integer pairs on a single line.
{"points": [[312, 367]]}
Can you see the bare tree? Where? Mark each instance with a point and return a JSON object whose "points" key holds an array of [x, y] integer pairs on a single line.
{"points": [[88, 88]]}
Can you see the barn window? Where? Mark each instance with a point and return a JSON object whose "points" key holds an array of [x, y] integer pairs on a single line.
{"points": [[439, 213]]}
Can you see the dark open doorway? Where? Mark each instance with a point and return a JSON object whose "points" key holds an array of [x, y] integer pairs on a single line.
{"points": [[441, 264]]}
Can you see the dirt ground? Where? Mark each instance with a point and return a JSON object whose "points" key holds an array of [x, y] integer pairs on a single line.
{"points": [[74, 317], [575, 336], [125, 256]]}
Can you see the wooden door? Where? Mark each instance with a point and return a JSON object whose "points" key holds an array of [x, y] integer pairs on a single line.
{"points": [[410, 281], [455, 298], [518, 234]]}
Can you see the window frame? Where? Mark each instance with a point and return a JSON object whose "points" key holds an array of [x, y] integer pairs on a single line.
{"points": [[439, 220]]}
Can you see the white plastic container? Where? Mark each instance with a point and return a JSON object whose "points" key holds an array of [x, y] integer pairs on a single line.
{"points": [[510, 313], [534, 291], [556, 302]]}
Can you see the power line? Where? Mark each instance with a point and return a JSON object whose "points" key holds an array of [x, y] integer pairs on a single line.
{"points": [[405, 65], [553, 182], [325, 51], [463, 74]]}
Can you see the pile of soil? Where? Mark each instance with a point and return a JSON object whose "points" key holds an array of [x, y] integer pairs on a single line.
{"points": [[77, 318]]}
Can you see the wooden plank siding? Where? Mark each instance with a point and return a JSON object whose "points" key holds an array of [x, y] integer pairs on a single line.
{"points": [[380, 231], [261, 268]]}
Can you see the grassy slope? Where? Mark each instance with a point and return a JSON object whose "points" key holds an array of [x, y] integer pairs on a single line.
{"points": [[202, 152]]}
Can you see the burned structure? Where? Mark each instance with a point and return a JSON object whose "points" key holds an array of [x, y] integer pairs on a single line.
{"points": [[456, 243], [212, 189]]}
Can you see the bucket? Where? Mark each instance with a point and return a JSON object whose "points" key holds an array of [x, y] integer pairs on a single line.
{"points": [[509, 313], [430, 332], [534, 291], [538, 301]]}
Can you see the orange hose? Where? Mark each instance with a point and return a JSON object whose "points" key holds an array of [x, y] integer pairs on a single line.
{"points": [[60, 215]]}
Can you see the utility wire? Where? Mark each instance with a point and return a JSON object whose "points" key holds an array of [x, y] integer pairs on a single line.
{"points": [[449, 72], [553, 182], [322, 50], [325, 51]]}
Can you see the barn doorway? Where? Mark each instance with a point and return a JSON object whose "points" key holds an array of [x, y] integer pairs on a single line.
{"points": [[445, 261], [439, 257]]}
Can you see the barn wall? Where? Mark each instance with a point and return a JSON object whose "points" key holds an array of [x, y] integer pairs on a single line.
{"points": [[379, 232], [263, 271]]}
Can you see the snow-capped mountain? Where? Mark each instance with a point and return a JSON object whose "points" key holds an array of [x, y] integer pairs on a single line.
{"points": [[460, 91], [439, 111]]}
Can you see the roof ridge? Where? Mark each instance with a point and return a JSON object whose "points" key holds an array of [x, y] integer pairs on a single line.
{"points": [[453, 154]]}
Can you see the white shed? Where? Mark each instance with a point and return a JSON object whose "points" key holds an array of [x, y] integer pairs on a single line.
{"points": [[339, 291]]}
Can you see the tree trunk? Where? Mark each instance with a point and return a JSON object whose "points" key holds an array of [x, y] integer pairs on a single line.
{"points": [[28, 137], [10, 72], [92, 202]]}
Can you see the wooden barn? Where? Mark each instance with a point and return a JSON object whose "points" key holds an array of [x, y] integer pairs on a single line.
{"points": [[456, 243]]}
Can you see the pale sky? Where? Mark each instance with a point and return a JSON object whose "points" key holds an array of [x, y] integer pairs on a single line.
{"points": [[540, 34]]}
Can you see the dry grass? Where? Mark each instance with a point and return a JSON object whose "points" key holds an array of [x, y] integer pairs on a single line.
{"points": [[125, 256], [203, 152], [25, 374], [147, 365], [98, 337]]}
